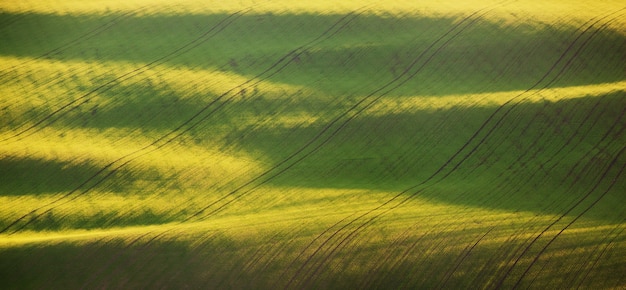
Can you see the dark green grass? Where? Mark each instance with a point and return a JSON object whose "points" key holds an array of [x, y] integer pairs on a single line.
{"points": [[540, 157], [368, 50], [538, 143], [215, 261], [22, 176], [387, 152]]}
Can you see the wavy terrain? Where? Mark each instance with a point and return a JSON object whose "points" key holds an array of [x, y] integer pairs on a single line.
{"points": [[313, 145]]}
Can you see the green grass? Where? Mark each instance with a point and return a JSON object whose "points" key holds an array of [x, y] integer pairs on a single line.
{"points": [[312, 145]]}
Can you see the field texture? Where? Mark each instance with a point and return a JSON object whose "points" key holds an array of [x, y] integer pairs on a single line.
{"points": [[312, 144]]}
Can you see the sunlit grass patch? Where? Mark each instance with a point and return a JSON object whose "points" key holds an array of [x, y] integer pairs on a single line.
{"points": [[56, 82], [312, 144], [389, 105], [511, 12], [432, 235]]}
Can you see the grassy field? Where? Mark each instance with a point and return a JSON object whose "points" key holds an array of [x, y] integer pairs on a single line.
{"points": [[314, 145]]}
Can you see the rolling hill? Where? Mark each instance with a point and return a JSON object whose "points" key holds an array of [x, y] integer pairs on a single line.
{"points": [[352, 145]]}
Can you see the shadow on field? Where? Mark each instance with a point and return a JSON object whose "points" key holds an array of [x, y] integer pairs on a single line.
{"points": [[209, 264], [363, 52], [32, 176], [100, 265], [213, 264], [26, 176], [217, 262], [144, 107], [539, 156]]}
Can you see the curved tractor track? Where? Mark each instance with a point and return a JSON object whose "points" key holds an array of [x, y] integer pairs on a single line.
{"points": [[315, 145], [343, 241], [204, 113]]}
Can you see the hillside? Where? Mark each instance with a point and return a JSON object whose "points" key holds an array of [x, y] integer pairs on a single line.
{"points": [[271, 144]]}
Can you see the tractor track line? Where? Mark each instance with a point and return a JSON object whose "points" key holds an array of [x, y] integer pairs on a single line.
{"points": [[571, 170], [332, 123], [86, 36], [575, 180], [346, 239], [356, 105], [110, 262], [271, 256], [288, 57], [259, 253], [403, 257], [526, 249], [498, 122], [223, 24], [580, 140], [480, 129], [506, 248], [476, 133], [606, 241], [460, 260], [236, 14], [534, 148], [110, 173], [375, 270], [597, 146], [575, 133], [604, 175], [597, 259], [484, 125], [535, 142], [178, 131], [310, 244], [510, 101], [343, 227]]}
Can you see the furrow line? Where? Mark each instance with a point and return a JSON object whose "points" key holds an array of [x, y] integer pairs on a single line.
{"points": [[458, 152], [325, 34], [599, 256], [177, 131], [571, 207], [347, 114], [58, 113], [375, 270], [486, 122], [221, 23], [86, 36], [604, 175], [532, 240], [607, 240], [109, 263], [460, 260], [345, 122], [500, 120]]}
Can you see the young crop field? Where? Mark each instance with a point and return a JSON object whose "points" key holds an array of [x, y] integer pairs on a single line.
{"points": [[274, 144]]}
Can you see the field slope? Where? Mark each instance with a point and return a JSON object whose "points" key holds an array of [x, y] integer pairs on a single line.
{"points": [[314, 145]]}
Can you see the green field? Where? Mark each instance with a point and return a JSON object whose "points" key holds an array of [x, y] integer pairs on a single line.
{"points": [[312, 144]]}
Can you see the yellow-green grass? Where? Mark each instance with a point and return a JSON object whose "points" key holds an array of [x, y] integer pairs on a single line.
{"points": [[273, 144]]}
